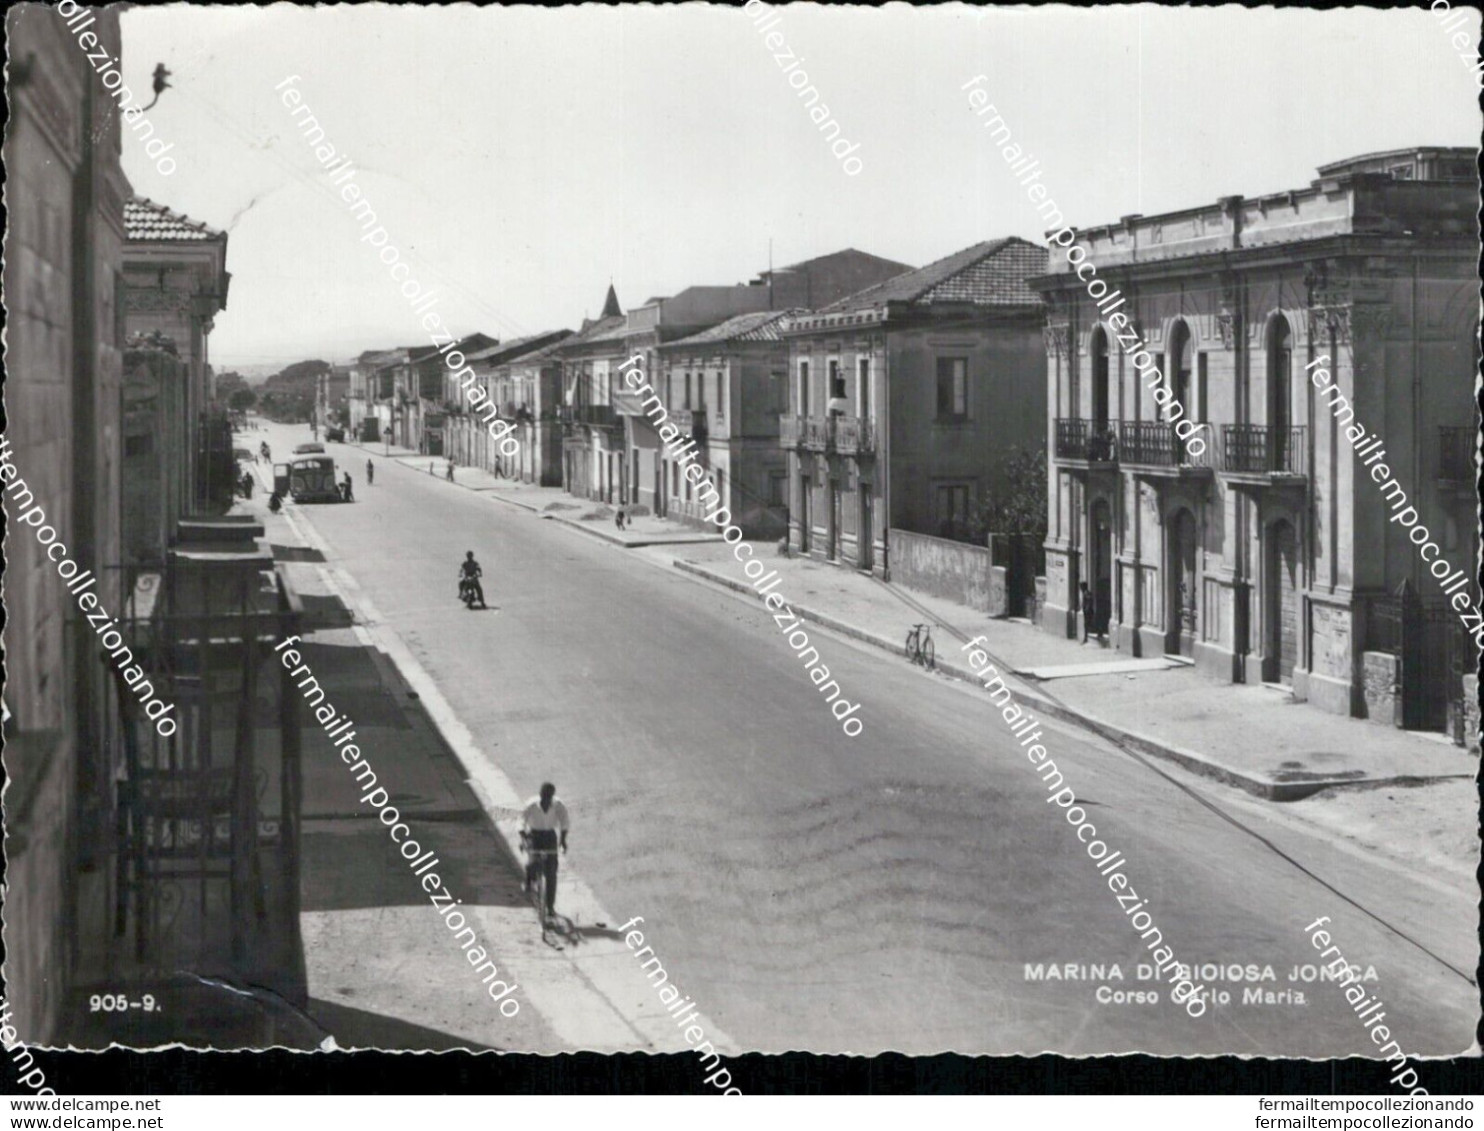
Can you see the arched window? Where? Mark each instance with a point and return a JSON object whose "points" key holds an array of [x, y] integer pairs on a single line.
{"points": [[1100, 397], [1280, 393], [1181, 357]]}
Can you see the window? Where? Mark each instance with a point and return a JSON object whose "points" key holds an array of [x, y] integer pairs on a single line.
{"points": [[777, 488], [953, 388], [687, 392], [951, 509], [721, 486], [674, 481], [837, 379], [803, 388], [141, 445], [863, 389], [780, 391], [1202, 413]]}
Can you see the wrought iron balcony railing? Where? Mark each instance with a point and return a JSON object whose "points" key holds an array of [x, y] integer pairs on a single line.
{"points": [[816, 434], [1260, 449], [854, 437], [1153, 443], [1090, 440]]}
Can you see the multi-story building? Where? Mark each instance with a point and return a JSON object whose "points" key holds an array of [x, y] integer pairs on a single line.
{"points": [[433, 395], [175, 283], [64, 247], [520, 382], [726, 388], [903, 399], [1268, 556], [630, 462], [593, 463]]}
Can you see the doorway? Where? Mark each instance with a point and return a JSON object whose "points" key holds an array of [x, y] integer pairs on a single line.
{"points": [[833, 544], [1180, 624], [1101, 569], [1281, 585], [865, 533]]}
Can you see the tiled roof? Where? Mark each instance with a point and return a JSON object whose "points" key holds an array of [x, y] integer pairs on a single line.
{"points": [[146, 220], [604, 329], [517, 347], [759, 326], [987, 274]]}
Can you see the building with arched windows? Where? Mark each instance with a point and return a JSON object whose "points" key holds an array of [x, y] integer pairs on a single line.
{"points": [[1210, 408]]}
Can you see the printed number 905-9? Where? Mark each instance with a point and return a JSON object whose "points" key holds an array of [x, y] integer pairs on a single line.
{"points": [[114, 1003]]}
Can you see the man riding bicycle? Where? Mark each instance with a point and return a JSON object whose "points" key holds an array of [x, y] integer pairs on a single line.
{"points": [[544, 817], [469, 574]]}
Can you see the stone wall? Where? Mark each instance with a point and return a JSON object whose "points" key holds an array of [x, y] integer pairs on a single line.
{"points": [[955, 570]]}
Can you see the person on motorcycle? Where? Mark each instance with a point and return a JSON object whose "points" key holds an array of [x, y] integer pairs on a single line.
{"points": [[469, 574]]}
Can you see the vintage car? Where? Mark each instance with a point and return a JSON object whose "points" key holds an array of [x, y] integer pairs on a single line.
{"points": [[312, 480], [309, 449], [335, 435]]}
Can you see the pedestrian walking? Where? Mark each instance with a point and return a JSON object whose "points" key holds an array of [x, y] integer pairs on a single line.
{"points": [[370, 473], [430, 467], [346, 494], [618, 520], [450, 471]]}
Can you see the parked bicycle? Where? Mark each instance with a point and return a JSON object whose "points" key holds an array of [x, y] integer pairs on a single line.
{"points": [[920, 646]]}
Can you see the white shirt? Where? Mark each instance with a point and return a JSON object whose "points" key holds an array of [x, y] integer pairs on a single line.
{"points": [[553, 818]]}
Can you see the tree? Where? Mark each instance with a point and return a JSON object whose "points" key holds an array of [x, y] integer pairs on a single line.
{"points": [[242, 400], [1019, 507]]}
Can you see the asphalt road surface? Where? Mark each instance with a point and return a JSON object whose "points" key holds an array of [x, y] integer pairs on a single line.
{"points": [[908, 889]]}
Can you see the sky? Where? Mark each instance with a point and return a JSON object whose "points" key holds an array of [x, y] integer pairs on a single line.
{"points": [[520, 159]]}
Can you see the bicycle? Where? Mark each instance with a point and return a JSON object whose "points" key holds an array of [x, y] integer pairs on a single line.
{"points": [[534, 857], [920, 646]]}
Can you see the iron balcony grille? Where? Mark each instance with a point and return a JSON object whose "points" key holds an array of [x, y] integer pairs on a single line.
{"points": [[1258, 448], [1155, 444], [1090, 440], [854, 437]]}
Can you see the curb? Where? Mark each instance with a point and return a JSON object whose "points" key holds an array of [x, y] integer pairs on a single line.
{"points": [[1143, 744]]}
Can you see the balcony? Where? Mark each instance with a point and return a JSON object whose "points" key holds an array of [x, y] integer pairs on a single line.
{"points": [[854, 437], [1153, 447], [590, 416], [1456, 455], [790, 431], [1261, 453], [1086, 441], [690, 422]]}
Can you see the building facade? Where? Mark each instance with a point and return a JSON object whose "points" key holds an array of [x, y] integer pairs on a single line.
{"points": [[1285, 327], [175, 284], [904, 398], [726, 388], [64, 288]]}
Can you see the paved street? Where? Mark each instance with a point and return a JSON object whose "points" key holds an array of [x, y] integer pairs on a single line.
{"points": [[884, 892]]}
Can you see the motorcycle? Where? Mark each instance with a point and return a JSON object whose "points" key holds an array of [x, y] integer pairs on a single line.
{"points": [[466, 592]]}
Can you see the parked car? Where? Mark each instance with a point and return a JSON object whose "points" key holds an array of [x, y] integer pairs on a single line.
{"points": [[309, 449], [312, 480], [335, 435]]}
